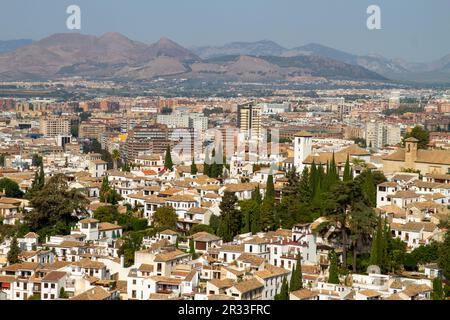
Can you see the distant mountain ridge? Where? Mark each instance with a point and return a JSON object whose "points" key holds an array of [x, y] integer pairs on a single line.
{"points": [[114, 56], [12, 45], [391, 68]]}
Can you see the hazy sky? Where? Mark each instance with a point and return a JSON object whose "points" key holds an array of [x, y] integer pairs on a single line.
{"points": [[416, 30]]}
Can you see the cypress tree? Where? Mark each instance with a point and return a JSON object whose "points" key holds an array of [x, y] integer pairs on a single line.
{"points": [[104, 190], [194, 169], [268, 205], [14, 251], [270, 188], [230, 224], [438, 292], [191, 246], [369, 190], [313, 178], [168, 163], [377, 249], [284, 291], [296, 277], [333, 276], [256, 216], [348, 176], [305, 192], [207, 165]]}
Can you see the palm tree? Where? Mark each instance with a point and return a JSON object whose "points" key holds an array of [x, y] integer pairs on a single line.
{"points": [[116, 157]]}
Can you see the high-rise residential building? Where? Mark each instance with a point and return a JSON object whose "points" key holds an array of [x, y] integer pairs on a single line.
{"points": [[196, 121], [54, 126], [249, 118], [91, 130], [146, 139], [380, 134]]}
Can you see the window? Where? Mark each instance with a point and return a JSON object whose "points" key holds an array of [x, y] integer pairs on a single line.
{"points": [[53, 286], [45, 296]]}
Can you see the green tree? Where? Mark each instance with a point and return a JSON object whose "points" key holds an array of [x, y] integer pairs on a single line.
{"points": [[444, 256], [201, 228], [191, 246], [420, 134], [2, 160], [108, 194], [115, 157], [255, 226], [194, 169], [55, 207], [284, 291], [165, 217], [296, 277], [104, 189], [268, 206], [168, 163], [249, 211], [438, 290], [338, 204], [36, 160], [132, 242], [207, 165], [63, 294], [305, 190], [214, 223], [376, 252], [11, 188], [230, 223], [348, 175], [362, 222], [14, 251], [333, 276]]}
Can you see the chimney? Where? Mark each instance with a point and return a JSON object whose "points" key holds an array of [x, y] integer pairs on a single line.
{"points": [[122, 261]]}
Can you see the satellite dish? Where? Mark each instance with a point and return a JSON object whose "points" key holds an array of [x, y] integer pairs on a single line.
{"points": [[373, 269]]}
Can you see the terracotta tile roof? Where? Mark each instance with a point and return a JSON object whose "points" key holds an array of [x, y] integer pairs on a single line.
{"points": [[271, 271], [248, 285], [88, 263], [253, 259], [304, 294], [22, 266], [106, 226], [405, 194], [171, 255], [222, 283], [232, 248], [145, 268], [205, 237], [54, 276], [370, 293], [96, 293], [181, 198]]}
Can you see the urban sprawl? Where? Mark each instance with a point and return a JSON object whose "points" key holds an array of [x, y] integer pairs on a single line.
{"points": [[332, 194]]}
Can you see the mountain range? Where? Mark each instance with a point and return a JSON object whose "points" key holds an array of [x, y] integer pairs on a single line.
{"points": [[395, 69], [114, 56]]}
